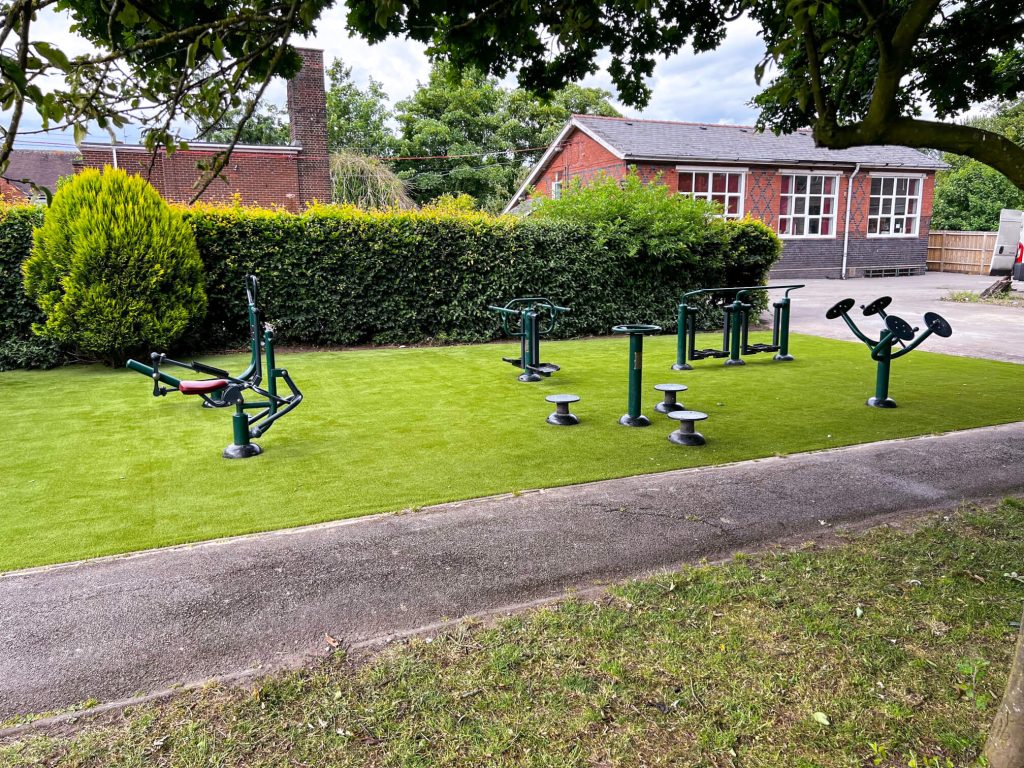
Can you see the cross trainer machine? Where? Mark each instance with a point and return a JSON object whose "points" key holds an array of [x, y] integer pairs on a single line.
{"points": [[735, 327], [536, 317], [227, 390], [897, 332]]}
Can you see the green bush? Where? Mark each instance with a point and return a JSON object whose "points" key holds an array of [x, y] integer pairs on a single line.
{"points": [[113, 268], [19, 347], [340, 276]]}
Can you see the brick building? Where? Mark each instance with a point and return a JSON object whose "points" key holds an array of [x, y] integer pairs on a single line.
{"points": [[861, 211], [288, 176]]}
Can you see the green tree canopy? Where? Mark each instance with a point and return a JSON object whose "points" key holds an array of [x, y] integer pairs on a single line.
{"points": [[357, 118], [857, 71], [471, 136], [267, 125], [152, 63], [970, 195]]}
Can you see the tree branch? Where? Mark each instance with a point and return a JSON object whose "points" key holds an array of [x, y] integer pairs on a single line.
{"points": [[988, 147]]}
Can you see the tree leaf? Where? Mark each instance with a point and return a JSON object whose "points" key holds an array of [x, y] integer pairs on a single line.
{"points": [[822, 718]]}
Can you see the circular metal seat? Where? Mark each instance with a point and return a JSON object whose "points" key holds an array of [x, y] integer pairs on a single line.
{"points": [[561, 417], [839, 309], [671, 391], [686, 434]]}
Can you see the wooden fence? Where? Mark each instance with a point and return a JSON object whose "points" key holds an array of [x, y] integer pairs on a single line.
{"points": [[966, 252]]}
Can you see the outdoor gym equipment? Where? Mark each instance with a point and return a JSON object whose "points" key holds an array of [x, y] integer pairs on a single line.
{"points": [[686, 434], [636, 332], [734, 327], [561, 417], [537, 317], [670, 403], [228, 390], [897, 331]]}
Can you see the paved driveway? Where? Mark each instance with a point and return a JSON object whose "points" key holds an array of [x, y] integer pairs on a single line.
{"points": [[979, 330]]}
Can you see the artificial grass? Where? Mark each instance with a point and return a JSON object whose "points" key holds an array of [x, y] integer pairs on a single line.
{"points": [[94, 465], [891, 650]]}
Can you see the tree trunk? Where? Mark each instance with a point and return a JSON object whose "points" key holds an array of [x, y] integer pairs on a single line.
{"points": [[1005, 745]]}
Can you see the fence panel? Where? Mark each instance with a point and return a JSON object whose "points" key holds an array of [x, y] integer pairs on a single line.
{"points": [[966, 252]]}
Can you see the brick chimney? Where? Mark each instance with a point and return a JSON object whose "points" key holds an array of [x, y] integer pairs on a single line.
{"points": [[307, 112]]}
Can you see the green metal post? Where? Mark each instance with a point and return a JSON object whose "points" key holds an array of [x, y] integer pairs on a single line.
{"points": [[783, 330], [272, 372], [633, 416], [240, 426], [681, 339], [734, 333], [881, 398], [636, 372]]}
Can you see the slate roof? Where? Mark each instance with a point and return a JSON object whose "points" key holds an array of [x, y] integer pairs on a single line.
{"points": [[684, 142], [674, 142], [42, 167]]}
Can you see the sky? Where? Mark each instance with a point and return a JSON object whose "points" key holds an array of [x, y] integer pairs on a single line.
{"points": [[712, 87]]}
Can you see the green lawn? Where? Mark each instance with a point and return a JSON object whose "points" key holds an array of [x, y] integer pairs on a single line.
{"points": [[92, 464], [892, 650]]}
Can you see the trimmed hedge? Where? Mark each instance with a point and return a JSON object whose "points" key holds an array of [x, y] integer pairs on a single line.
{"points": [[341, 276], [19, 347]]}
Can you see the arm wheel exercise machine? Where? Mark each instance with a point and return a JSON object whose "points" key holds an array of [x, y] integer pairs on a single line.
{"points": [[537, 317], [897, 332], [735, 327], [227, 390]]}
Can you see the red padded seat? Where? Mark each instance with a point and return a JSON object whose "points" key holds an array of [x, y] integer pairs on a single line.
{"points": [[204, 387]]}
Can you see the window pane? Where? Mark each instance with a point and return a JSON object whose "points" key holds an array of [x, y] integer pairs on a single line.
{"points": [[912, 205], [812, 226], [783, 225], [718, 182], [911, 224], [814, 206], [873, 207], [876, 186], [734, 205], [700, 182], [883, 226], [887, 185], [826, 205], [829, 183], [901, 186], [800, 205], [720, 199], [901, 206], [873, 226], [912, 189], [897, 226], [816, 185], [686, 182], [798, 226], [800, 184], [826, 226], [886, 206], [734, 182], [784, 205]]}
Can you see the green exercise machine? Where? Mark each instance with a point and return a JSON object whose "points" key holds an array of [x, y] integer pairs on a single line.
{"points": [[528, 319], [735, 326], [227, 390], [898, 332], [636, 332]]}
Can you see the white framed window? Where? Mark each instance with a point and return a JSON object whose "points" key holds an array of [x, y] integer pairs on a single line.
{"points": [[808, 203], [556, 188], [895, 206], [723, 186]]}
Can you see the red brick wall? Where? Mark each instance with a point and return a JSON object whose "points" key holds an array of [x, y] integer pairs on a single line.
{"points": [[290, 179], [580, 157], [307, 113], [257, 178]]}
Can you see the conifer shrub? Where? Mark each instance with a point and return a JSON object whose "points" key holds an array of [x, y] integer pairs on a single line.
{"points": [[114, 269]]}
